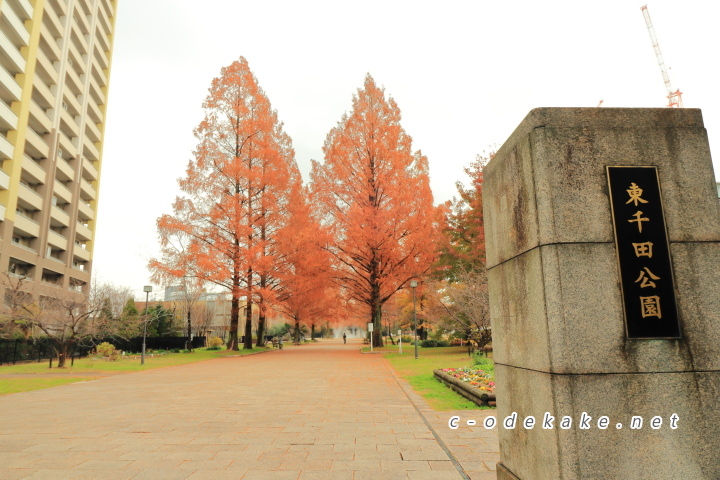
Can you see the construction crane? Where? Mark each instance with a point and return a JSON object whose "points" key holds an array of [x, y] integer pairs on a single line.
{"points": [[674, 96]]}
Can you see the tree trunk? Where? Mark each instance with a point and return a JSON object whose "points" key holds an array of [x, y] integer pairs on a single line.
{"points": [[62, 351], [377, 338], [261, 330], [297, 331], [232, 343], [312, 332], [248, 343], [188, 344]]}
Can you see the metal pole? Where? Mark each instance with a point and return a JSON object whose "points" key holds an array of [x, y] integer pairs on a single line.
{"points": [[413, 284], [142, 356]]}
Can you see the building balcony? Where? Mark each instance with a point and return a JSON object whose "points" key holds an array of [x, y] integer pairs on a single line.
{"points": [[74, 82], [69, 150], [103, 40], [2, 213], [85, 212], [31, 169], [42, 94], [63, 170], [62, 192], [83, 233], [35, 146], [10, 91], [90, 150], [8, 119], [29, 198], [96, 91], [104, 22], [6, 149], [74, 106], [53, 23], [102, 58], [88, 192], [46, 69], [90, 173], [26, 227], [49, 44], [4, 181], [92, 131], [23, 8], [39, 120], [82, 23], [57, 240], [81, 254], [68, 125], [58, 218], [13, 26], [10, 57], [93, 111], [78, 64], [78, 36], [59, 6]]}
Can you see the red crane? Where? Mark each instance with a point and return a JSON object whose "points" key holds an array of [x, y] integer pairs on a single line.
{"points": [[674, 96]]}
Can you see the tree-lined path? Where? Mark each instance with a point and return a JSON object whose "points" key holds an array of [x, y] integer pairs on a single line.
{"points": [[321, 411]]}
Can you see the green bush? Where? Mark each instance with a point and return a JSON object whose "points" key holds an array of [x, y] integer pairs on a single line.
{"points": [[215, 342], [485, 363], [434, 343], [213, 348], [105, 349]]}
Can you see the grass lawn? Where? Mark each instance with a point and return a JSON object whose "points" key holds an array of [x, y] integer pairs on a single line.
{"points": [[419, 373], [43, 376], [16, 385]]}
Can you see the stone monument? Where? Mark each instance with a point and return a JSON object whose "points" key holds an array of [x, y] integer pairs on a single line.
{"points": [[605, 295]]}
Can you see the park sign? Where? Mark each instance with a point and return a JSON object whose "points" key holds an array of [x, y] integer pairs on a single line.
{"points": [[643, 253]]}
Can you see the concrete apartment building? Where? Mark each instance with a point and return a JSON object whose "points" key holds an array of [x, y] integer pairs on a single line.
{"points": [[54, 70]]}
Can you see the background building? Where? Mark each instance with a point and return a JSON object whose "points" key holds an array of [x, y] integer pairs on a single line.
{"points": [[54, 70]]}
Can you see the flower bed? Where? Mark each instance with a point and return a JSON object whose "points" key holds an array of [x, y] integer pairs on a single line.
{"points": [[472, 383], [474, 377]]}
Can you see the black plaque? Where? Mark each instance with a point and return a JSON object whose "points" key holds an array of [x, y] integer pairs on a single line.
{"points": [[643, 252]]}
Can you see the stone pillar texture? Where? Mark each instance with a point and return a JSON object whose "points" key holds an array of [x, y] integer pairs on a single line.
{"points": [[556, 303]]}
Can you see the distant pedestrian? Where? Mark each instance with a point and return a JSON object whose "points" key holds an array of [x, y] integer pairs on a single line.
{"points": [[344, 338]]}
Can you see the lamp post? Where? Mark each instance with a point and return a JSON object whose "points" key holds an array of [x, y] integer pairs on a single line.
{"points": [[413, 284], [147, 289]]}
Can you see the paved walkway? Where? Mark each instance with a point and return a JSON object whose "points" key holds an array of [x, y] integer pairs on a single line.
{"points": [[321, 411]]}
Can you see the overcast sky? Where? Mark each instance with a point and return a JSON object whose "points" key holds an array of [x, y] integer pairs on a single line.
{"points": [[464, 74]]}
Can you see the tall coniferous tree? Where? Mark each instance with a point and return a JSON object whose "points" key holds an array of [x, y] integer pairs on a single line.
{"points": [[373, 193], [225, 226]]}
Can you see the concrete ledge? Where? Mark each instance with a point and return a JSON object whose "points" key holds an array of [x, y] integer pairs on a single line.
{"points": [[473, 394], [504, 474]]}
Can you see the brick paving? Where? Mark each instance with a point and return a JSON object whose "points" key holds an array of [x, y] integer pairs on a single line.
{"points": [[319, 411]]}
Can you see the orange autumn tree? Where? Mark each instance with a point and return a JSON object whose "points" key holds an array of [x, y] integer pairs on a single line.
{"points": [[305, 293], [373, 193], [464, 246], [227, 225]]}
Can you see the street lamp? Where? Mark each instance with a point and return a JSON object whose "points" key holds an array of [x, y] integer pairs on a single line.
{"points": [[413, 284], [147, 289]]}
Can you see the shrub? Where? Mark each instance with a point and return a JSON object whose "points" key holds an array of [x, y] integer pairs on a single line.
{"points": [[213, 348], [433, 343], [480, 359], [213, 342], [105, 349]]}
